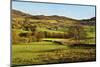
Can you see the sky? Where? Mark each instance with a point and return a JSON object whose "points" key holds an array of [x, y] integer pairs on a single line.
{"points": [[47, 9]]}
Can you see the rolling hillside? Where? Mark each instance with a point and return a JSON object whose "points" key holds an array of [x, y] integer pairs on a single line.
{"points": [[51, 26], [43, 39], [54, 23]]}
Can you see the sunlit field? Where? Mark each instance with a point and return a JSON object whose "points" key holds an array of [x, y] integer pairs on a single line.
{"points": [[48, 52]]}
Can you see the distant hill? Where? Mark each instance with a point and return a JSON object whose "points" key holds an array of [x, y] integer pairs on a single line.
{"points": [[16, 13], [91, 21], [20, 20]]}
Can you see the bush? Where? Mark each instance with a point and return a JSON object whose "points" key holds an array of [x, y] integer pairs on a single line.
{"points": [[15, 37]]}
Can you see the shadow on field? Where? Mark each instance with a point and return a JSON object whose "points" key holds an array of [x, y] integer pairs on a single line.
{"points": [[83, 45]]}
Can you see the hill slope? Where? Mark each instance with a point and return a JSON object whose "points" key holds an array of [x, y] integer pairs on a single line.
{"points": [[91, 21], [20, 20]]}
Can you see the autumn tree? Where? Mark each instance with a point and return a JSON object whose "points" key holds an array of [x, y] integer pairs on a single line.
{"points": [[77, 32], [15, 37]]}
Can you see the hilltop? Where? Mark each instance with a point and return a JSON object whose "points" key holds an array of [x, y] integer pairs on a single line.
{"points": [[54, 18], [91, 21], [17, 13]]}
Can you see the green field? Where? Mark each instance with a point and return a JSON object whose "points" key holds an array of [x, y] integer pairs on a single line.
{"points": [[49, 52]]}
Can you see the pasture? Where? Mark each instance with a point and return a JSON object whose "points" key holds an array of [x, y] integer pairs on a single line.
{"points": [[50, 52]]}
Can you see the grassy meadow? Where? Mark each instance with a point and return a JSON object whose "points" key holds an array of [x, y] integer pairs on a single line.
{"points": [[48, 52], [50, 40]]}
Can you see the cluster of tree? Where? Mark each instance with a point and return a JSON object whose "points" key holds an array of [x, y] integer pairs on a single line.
{"points": [[55, 35], [35, 36], [23, 37], [77, 32]]}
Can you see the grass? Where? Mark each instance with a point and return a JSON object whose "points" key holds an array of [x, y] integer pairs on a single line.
{"points": [[42, 46], [90, 31], [20, 31], [50, 21], [49, 52], [84, 41], [52, 31]]}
